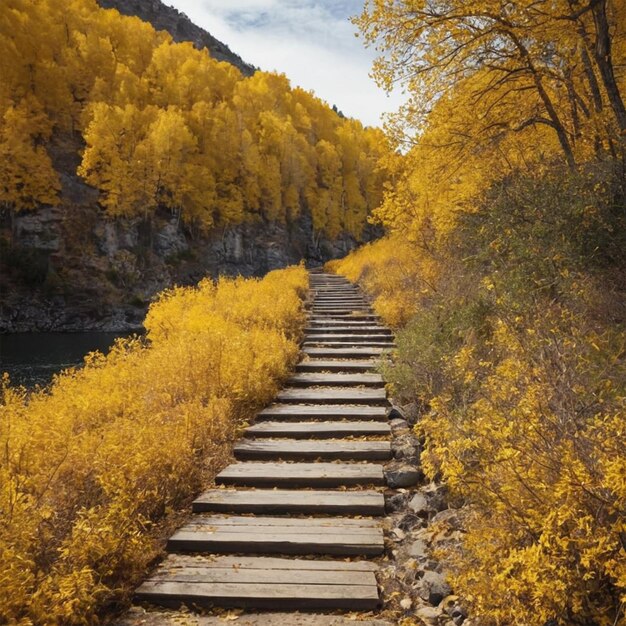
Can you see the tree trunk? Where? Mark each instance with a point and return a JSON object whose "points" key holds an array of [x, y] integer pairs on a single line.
{"points": [[594, 88], [545, 98], [602, 54], [556, 121]]}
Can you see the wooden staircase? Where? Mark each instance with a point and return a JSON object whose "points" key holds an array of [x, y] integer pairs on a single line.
{"points": [[305, 492]]}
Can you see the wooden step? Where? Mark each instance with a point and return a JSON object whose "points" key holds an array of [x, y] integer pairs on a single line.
{"points": [[261, 583], [337, 352], [343, 315], [290, 501], [311, 379], [349, 344], [332, 322], [341, 305], [298, 450], [347, 337], [348, 329], [317, 430], [299, 412], [333, 304], [333, 395], [340, 308], [340, 300], [351, 316], [333, 536], [292, 475], [338, 365]]}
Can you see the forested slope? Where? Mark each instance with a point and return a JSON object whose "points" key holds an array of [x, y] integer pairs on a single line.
{"points": [[128, 161], [503, 271]]}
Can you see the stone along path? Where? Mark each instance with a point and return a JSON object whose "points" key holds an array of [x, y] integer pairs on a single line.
{"points": [[297, 517]]}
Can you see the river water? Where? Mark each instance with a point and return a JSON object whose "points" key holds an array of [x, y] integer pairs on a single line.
{"points": [[32, 358]]}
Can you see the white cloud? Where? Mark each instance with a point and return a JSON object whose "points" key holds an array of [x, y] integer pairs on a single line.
{"points": [[311, 41]]}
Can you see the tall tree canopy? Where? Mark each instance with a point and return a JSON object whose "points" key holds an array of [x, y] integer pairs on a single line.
{"points": [[168, 127]]}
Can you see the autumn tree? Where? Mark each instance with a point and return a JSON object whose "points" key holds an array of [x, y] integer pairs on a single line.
{"points": [[535, 52], [27, 177]]}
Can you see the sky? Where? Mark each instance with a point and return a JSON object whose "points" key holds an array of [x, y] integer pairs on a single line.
{"points": [[311, 41]]}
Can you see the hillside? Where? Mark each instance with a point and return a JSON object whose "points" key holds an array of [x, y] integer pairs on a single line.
{"points": [[244, 174]]}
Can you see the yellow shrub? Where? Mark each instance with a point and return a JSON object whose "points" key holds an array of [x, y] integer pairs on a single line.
{"points": [[396, 272], [521, 393], [529, 431], [92, 465]]}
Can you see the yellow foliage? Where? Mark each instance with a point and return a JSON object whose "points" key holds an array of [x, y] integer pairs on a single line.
{"points": [[398, 274], [92, 465], [505, 231], [27, 177], [167, 127], [543, 469], [511, 343]]}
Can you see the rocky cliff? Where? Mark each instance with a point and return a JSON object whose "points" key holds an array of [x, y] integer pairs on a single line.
{"points": [[86, 272]]}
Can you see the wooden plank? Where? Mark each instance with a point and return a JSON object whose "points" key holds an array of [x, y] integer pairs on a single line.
{"points": [[349, 340], [346, 338], [338, 365], [317, 430], [340, 300], [349, 344], [214, 574], [343, 306], [268, 524], [333, 395], [270, 596], [350, 316], [298, 450], [348, 329], [343, 379], [356, 322], [266, 563], [307, 411], [288, 501], [343, 353], [275, 535], [292, 475], [332, 304]]}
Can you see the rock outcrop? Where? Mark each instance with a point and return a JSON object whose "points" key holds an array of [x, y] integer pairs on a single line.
{"points": [[86, 272]]}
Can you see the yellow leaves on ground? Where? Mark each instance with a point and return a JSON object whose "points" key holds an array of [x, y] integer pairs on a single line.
{"points": [[94, 463]]}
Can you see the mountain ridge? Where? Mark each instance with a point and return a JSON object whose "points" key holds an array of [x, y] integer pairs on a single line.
{"points": [[164, 17]]}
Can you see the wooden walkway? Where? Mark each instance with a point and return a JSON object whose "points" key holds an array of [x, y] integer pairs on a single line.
{"points": [[292, 523]]}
